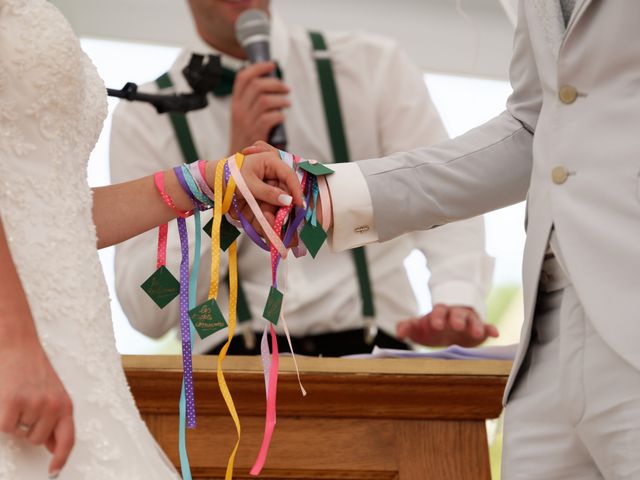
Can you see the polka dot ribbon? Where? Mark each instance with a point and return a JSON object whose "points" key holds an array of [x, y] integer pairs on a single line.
{"points": [[185, 332], [221, 207]]}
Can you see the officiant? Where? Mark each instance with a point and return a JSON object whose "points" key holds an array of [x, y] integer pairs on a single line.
{"points": [[340, 97]]}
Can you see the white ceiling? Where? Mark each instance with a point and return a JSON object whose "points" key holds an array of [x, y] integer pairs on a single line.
{"points": [[434, 32]]}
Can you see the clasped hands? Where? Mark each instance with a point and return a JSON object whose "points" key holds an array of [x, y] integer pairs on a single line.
{"points": [[443, 326], [273, 184]]}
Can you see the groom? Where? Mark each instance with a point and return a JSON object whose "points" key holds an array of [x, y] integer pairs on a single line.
{"points": [[570, 142]]}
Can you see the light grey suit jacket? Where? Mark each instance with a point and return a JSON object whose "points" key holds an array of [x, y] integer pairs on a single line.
{"points": [[569, 141]]}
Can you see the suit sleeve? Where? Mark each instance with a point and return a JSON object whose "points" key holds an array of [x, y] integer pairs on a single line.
{"points": [[487, 168], [407, 118]]}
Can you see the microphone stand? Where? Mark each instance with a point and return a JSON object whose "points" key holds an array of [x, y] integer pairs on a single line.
{"points": [[202, 78], [181, 103]]}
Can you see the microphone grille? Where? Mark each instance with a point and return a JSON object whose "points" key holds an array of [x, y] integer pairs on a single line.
{"points": [[252, 23]]}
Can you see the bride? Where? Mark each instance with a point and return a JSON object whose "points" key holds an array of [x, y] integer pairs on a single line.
{"points": [[62, 388]]}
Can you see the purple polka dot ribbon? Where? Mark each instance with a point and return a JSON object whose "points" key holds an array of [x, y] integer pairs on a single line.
{"points": [[185, 332]]}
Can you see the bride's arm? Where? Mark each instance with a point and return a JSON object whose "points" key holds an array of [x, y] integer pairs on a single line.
{"points": [[128, 209], [33, 401]]}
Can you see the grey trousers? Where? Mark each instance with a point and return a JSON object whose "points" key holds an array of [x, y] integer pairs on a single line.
{"points": [[574, 412]]}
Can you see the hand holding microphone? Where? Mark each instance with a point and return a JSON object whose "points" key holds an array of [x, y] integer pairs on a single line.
{"points": [[258, 95]]}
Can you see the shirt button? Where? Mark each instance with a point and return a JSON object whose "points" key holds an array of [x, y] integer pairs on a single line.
{"points": [[568, 94], [559, 175], [361, 229]]}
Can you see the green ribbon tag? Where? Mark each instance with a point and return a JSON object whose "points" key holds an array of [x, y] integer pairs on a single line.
{"points": [[228, 233], [207, 318], [273, 306], [208, 227], [315, 168], [161, 286], [313, 238]]}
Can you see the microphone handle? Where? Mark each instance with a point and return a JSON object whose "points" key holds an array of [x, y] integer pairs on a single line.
{"points": [[278, 137], [260, 52]]}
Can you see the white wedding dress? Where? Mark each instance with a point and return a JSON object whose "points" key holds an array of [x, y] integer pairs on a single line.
{"points": [[52, 106]]}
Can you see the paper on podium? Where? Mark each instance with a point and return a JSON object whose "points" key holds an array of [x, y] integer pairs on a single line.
{"points": [[454, 352]]}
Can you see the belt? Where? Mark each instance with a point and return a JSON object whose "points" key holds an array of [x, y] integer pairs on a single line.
{"points": [[336, 344]]}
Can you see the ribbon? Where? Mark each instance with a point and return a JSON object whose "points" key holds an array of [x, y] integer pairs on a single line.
{"points": [[233, 299], [187, 190], [193, 170], [270, 417], [286, 332], [163, 233], [271, 378], [158, 179], [325, 202], [274, 239], [185, 324], [204, 202], [244, 223]]}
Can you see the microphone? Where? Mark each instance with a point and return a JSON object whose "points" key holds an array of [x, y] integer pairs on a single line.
{"points": [[252, 32]]}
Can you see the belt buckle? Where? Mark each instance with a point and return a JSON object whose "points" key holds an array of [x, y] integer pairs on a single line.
{"points": [[370, 330], [248, 337]]}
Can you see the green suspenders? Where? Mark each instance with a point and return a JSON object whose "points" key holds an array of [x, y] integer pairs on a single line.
{"points": [[190, 155], [180, 125], [340, 151]]}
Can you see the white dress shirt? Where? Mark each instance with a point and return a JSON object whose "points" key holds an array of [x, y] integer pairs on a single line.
{"points": [[386, 108]]}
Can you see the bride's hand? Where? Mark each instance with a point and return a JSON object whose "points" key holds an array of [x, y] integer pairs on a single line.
{"points": [[34, 404], [270, 180], [272, 183], [263, 149]]}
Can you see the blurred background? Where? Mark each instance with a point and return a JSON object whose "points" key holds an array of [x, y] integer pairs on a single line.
{"points": [[463, 47]]}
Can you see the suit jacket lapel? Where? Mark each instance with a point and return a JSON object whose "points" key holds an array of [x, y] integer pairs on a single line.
{"points": [[578, 11], [550, 16]]}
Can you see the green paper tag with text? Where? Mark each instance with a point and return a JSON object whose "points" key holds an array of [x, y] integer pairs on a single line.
{"points": [[313, 238], [273, 306], [161, 286], [228, 233], [207, 318], [316, 169]]}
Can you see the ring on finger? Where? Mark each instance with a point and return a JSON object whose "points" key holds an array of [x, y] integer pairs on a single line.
{"points": [[24, 427]]}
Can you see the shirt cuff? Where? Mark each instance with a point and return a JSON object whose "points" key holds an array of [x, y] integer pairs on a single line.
{"points": [[352, 208], [460, 294]]}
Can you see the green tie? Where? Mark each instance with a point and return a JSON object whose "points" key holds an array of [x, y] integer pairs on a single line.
{"points": [[224, 85]]}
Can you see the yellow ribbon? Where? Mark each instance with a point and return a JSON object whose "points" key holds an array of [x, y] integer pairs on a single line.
{"points": [[233, 299], [231, 186], [218, 210]]}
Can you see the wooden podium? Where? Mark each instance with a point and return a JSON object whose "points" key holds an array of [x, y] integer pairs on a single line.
{"points": [[361, 420]]}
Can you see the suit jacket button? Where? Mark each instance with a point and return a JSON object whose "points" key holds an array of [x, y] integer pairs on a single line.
{"points": [[559, 175], [568, 94]]}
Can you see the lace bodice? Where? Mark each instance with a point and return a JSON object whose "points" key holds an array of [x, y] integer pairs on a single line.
{"points": [[52, 106]]}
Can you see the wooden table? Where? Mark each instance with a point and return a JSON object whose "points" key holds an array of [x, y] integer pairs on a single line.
{"points": [[361, 420]]}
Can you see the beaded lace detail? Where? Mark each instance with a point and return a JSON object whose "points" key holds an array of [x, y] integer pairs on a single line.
{"points": [[52, 106]]}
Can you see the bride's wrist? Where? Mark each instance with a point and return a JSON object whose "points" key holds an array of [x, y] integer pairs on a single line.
{"points": [[17, 329]]}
